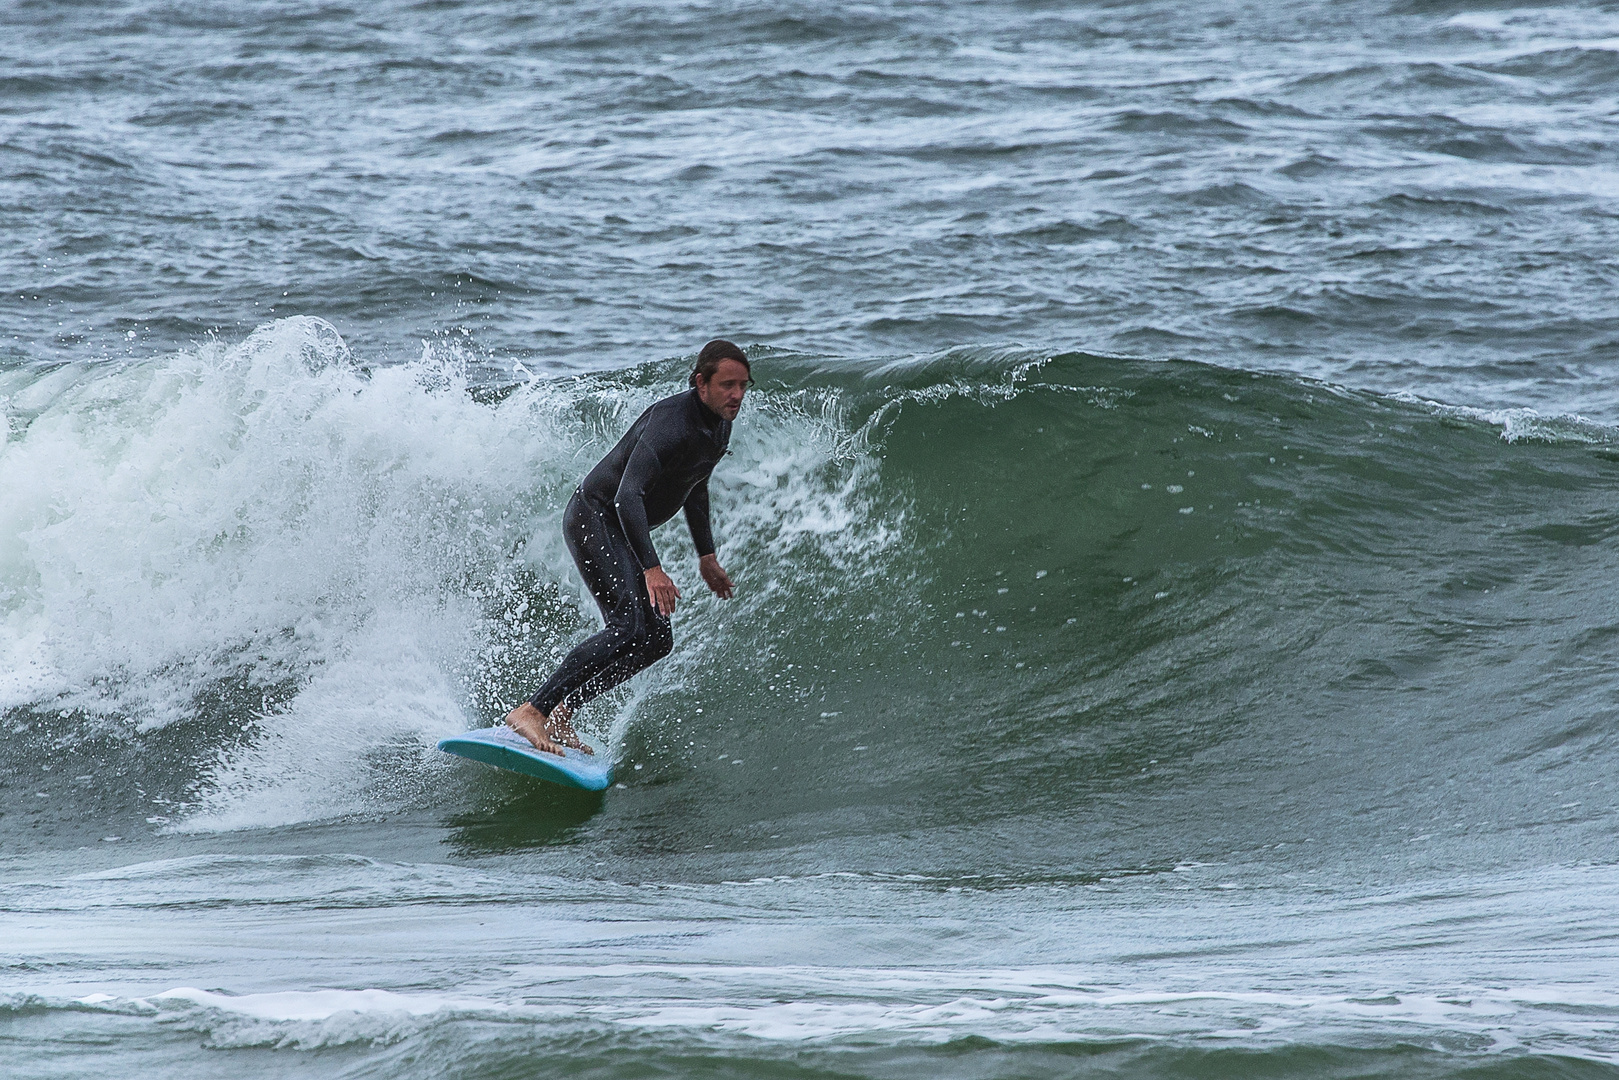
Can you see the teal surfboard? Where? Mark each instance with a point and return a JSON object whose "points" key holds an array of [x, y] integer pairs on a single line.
{"points": [[504, 748]]}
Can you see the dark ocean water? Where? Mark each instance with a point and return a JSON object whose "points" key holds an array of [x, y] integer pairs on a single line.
{"points": [[1174, 529]]}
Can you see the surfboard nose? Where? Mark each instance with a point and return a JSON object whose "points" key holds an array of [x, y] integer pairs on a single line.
{"points": [[504, 748]]}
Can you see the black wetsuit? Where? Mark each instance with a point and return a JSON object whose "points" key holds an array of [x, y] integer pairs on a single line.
{"points": [[660, 465]]}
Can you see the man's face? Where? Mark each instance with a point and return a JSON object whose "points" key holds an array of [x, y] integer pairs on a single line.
{"points": [[723, 393]]}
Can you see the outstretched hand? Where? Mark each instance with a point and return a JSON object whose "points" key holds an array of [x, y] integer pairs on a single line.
{"points": [[714, 576], [662, 591]]}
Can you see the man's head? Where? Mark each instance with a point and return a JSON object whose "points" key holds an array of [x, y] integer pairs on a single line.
{"points": [[722, 377]]}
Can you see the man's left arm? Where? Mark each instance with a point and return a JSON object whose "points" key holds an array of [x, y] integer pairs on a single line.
{"points": [[702, 535]]}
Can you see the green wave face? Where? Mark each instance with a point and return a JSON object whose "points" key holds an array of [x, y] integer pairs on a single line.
{"points": [[1122, 614]]}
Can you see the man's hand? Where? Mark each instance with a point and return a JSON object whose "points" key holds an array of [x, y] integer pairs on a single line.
{"points": [[714, 577], [662, 591]]}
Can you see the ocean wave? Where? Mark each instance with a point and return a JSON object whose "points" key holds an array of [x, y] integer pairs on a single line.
{"points": [[1574, 66], [270, 576]]}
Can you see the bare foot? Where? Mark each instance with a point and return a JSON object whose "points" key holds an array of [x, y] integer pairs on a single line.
{"points": [[548, 733], [563, 732]]}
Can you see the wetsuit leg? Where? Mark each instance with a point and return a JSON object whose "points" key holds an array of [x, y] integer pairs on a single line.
{"points": [[655, 648], [635, 635]]}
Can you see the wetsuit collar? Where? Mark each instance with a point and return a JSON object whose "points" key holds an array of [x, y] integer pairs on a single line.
{"points": [[711, 419]]}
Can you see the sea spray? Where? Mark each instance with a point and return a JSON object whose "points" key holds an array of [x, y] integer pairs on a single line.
{"points": [[326, 567]]}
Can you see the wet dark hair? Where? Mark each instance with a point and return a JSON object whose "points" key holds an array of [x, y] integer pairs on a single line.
{"points": [[709, 359]]}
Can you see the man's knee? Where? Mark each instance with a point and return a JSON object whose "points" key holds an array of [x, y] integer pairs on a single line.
{"points": [[655, 640], [645, 634], [660, 641]]}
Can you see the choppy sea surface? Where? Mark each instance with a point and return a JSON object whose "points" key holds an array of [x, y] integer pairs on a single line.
{"points": [[1175, 535]]}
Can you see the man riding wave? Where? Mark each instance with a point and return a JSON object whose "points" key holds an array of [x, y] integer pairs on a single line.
{"points": [[661, 465]]}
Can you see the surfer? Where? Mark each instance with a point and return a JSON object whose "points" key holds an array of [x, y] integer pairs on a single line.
{"points": [[661, 465]]}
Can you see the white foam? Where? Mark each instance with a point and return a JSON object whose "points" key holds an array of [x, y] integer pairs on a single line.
{"points": [[271, 516], [306, 1019], [794, 1004], [1546, 28], [1482, 965], [292, 1005], [1032, 1007]]}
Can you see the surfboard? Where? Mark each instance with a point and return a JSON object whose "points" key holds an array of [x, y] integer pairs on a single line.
{"points": [[503, 748]]}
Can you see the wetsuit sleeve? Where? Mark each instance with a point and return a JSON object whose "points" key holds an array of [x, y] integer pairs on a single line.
{"points": [[640, 473], [702, 533]]}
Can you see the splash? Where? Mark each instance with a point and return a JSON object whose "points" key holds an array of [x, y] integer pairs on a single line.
{"points": [[336, 565]]}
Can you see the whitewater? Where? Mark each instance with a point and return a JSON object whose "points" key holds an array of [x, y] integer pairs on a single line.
{"points": [[1173, 533]]}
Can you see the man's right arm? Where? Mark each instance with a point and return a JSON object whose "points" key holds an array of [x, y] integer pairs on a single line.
{"points": [[702, 535], [702, 531]]}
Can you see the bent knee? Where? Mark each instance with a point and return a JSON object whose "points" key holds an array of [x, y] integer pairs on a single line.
{"points": [[658, 642]]}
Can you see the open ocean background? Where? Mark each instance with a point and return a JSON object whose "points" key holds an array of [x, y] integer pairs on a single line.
{"points": [[1177, 631]]}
